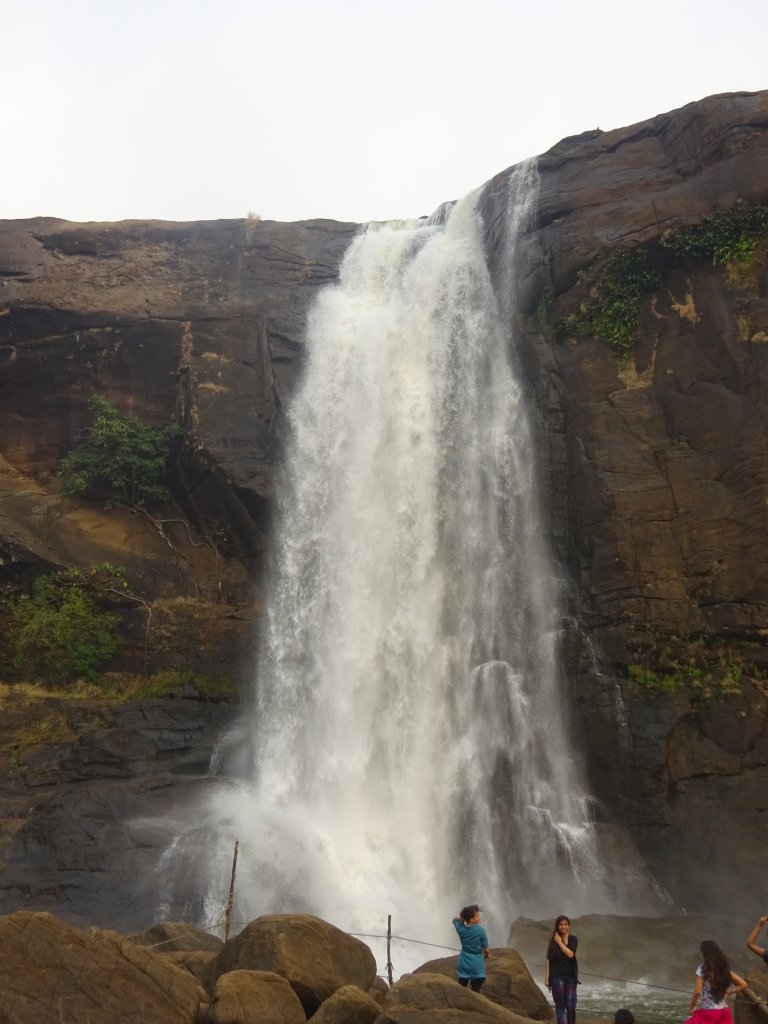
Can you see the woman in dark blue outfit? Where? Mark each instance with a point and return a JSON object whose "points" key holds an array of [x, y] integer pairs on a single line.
{"points": [[474, 948], [562, 973]]}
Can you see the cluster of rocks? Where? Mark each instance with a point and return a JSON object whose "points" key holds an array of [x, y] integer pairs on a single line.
{"points": [[281, 969]]}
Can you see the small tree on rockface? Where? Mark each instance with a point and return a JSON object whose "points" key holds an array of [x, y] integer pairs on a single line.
{"points": [[122, 455], [59, 629]]}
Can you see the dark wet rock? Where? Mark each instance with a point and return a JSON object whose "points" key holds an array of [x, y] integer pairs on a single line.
{"points": [[86, 819], [657, 483]]}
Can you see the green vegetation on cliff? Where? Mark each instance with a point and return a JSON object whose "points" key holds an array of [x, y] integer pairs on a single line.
{"points": [[727, 236], [621, 280], [618, 280], [123, 458], [717, 681], [700, 664], [59, 630]]}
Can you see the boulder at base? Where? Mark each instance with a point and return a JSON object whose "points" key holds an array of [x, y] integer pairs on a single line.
{"points": [[435, 999], [349, 1005], [195, 962], [508, 982], [254, 997], [177, 937], [51, 973], [378, 989], [315, 957]]}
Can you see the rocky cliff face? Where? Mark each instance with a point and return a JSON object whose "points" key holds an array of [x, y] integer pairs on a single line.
{"points": [[657, 467], [89, 791], [202, 322], [658, 481]]}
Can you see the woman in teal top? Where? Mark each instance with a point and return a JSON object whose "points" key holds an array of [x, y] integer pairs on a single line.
{"points": [[474, 948]]}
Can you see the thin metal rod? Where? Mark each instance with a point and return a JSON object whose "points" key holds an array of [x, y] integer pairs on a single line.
{"points": [[230, 901], [389, 950]]}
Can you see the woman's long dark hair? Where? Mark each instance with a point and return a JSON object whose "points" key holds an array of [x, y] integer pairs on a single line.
{"points": [[717, 970], [553, 949]]}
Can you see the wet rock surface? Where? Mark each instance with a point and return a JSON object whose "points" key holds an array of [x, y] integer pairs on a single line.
{"points": [[657, 482], [86, 818]]}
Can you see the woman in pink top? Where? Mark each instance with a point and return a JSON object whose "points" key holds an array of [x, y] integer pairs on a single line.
{"points": [[715, 981]]}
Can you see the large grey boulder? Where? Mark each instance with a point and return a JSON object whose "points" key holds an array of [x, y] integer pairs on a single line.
{"points": [[254, 997], [315, 957], [349, 1005], [51, 973], [508, 982], [426, 998], [177, 937]]}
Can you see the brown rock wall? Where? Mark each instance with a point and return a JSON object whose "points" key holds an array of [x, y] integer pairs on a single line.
{"points": [[198, 322], [658, 486], [88, 797]]}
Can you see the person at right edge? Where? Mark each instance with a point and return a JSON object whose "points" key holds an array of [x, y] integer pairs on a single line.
{"points": [[752, 940], [562, 972]]}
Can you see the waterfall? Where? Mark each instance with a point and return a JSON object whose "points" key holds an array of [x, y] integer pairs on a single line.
{"points": [[410, 748]]}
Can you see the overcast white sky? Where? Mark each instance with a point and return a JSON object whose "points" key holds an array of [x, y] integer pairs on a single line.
{"points": [[350, 109]]}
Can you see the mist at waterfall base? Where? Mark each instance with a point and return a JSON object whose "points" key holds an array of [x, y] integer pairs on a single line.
{"points": [[406, 753]]}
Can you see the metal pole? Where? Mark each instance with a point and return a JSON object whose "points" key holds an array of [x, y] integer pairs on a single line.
{"points": [[389, 951], [228, 912]]}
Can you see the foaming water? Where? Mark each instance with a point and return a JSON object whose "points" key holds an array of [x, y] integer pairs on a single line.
{"points": [[409, 752]]}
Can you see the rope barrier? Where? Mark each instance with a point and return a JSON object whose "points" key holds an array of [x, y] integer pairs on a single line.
{"points": [[540, 963], [588, 974], [401, 938], [227, 920]]}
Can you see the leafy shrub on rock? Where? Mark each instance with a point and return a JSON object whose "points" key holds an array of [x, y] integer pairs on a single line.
{"points": [[59, 629], [122, 456]]}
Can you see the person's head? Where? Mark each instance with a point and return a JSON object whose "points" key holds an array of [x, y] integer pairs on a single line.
{"points": [[470, 914], [623, 1016], [562, 928], [562, 925], [717, 970]]}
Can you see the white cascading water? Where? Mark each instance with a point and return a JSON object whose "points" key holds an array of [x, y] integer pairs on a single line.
{"points": [[409, 744]]}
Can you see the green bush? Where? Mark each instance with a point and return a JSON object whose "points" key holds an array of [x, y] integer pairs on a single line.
{"points": [[122, 456], [620, 281], [720, 680], [59, 631], [728, 236], [175, 683]]}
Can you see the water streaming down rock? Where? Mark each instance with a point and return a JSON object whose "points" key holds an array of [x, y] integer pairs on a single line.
{"points": [[410, 754]]}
